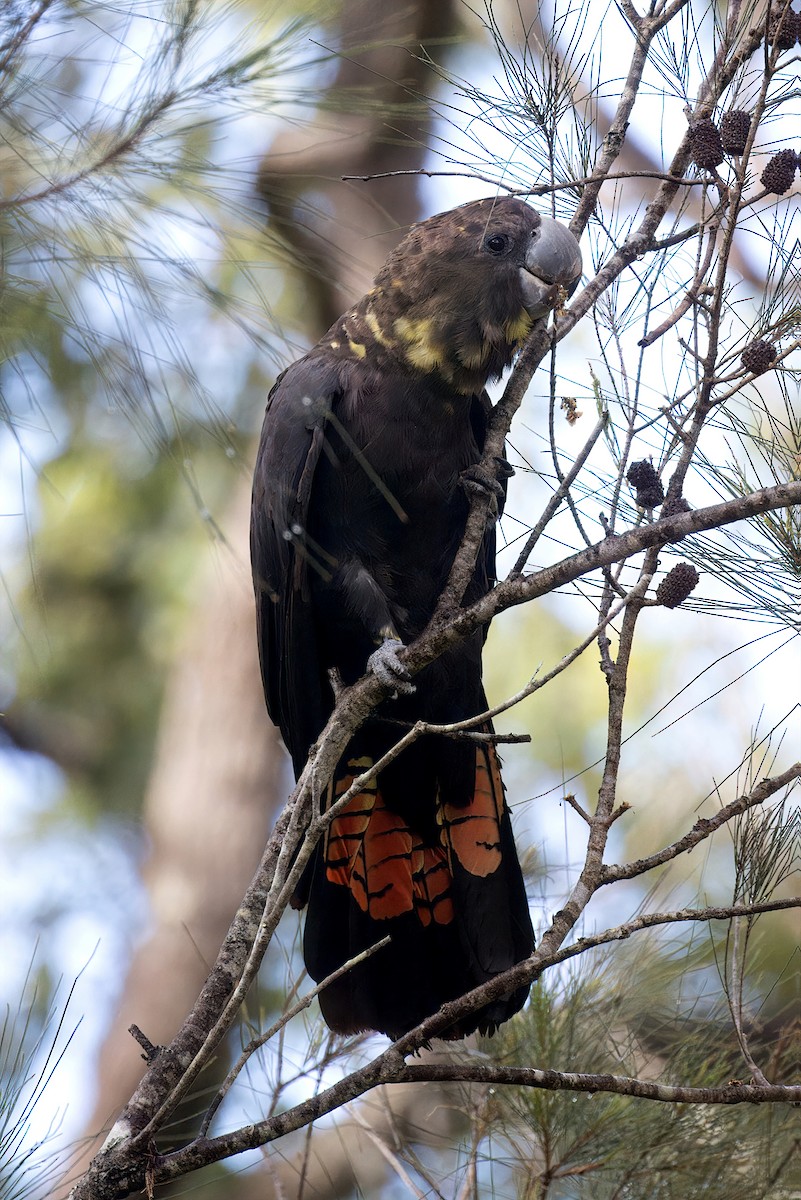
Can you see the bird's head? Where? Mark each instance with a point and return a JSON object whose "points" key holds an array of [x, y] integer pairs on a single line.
{"points": [[462, 289]]}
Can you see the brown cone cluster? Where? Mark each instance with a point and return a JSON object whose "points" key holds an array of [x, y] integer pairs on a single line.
{"points": [[705, 144], [708, 145], [758, 356], [677, 585], [734, 126], [646, 483]]}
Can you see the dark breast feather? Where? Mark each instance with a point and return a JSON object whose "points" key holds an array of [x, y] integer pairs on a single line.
{"points": [[314, 504]]}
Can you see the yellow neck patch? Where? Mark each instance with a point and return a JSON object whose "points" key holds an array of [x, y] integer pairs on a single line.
{"points": [[518, 328], [417, 343], [461, 351]]}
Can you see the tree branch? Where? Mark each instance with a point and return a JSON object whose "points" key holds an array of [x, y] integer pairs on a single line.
{"points": [[203, 1029], [621, 1085], [703, 828], [389, 1067]]}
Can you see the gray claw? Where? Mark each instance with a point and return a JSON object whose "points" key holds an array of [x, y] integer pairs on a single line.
{"points": [[475, 480], [388, 669]]}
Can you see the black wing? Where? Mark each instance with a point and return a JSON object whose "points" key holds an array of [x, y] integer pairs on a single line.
{"points": [[295, 686], [290, 563]]}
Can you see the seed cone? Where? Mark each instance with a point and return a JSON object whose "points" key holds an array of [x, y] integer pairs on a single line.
{"points": [[782, 27], [677, 585], [705, 145], [734, 128], [646, 483], [758, 356], [779, 173]]}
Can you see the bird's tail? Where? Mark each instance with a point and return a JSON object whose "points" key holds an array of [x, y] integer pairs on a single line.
{"points": [[442, 880]]}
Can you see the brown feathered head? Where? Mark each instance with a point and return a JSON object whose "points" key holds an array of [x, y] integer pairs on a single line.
{"points": [[461, 290]]}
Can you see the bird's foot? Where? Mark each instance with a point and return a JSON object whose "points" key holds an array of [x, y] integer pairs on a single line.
{"points": [[503, 467], [336, 681], [474, 479], [389, 670]]}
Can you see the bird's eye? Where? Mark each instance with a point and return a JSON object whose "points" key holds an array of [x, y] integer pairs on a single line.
{"points": [[497, 243]]}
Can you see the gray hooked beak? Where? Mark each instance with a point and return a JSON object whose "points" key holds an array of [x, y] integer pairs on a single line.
{"points": [[553, 263]]}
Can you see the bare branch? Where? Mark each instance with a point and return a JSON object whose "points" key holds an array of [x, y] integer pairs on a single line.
{"points": [[703, 828], [540, 189], [294, 1010], [732, 1093], [735, 997], [390, 1067]]}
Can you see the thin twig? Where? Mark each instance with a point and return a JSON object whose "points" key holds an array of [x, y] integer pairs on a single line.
{"points": [[286, 1016], [392, 1159], [390, 1067], [735, 996], [703, 828], [690, 296], [540, 189], [15, 43], [559, 495]]}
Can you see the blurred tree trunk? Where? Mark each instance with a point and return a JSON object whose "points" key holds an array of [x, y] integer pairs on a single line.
{"points": [[218, 778], [220, 774], [375, 118], [358, 1154]]}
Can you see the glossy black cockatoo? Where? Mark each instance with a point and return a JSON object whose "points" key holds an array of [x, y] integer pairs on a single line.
{"points": [[359, 505]]}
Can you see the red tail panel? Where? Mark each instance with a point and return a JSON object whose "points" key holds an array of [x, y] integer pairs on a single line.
{"points": [[442, 879], [473, 832], [389, 871], [432, 882], [381, 876], [346, 832]]}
